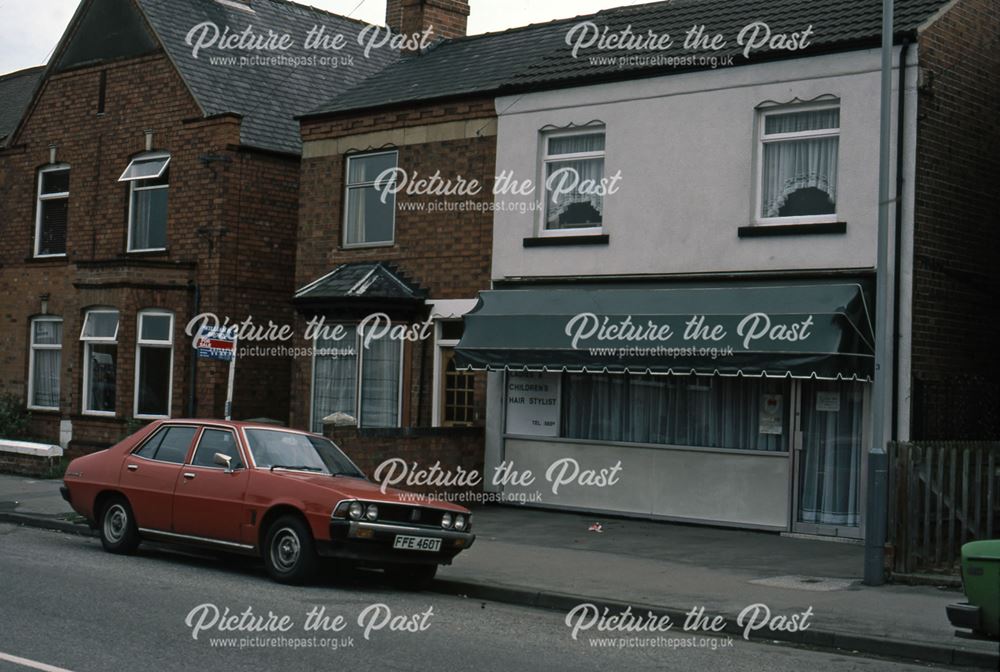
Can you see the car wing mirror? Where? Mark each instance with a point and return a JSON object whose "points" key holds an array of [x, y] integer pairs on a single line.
{"points": [[224, 461]]}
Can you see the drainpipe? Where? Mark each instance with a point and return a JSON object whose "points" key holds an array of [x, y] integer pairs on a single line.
{"points": [[194, 359], [897, 271]]}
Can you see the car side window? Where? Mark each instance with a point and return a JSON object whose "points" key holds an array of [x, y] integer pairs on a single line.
{"points": [[170, 444], [217, 441]]}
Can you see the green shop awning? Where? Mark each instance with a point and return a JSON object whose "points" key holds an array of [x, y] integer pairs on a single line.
{"points": [[803, 329]]}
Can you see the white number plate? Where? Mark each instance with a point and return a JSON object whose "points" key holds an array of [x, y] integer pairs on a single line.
{"points": [[408, 543]]}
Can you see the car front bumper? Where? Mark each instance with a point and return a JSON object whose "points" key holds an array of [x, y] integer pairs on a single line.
{"points": [[964, 615], [372, 542]]}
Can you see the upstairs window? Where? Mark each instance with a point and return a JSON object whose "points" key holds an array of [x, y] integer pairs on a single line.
{"points": [[798, 165], [100, 361], [148, 177], [367, 220], [52, 211], [573, 169]]}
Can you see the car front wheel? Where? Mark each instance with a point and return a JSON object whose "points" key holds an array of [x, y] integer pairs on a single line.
{"points": [[119, 533], [289, 552]]}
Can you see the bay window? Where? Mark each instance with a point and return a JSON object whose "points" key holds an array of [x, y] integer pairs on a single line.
{"points": [[573, 170], [45, 363], [148, 177], [52, 211], [367, 219], [798, 165], [100, 361], [154, 360], [365, 383]]}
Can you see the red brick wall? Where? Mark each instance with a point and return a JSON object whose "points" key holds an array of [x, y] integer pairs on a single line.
{"points": [[956, 364], [454, 450], [449, 18], [446, 253], [231, 230]]}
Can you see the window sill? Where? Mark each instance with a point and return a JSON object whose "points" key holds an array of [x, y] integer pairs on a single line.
{"points": [[768, 230], [565, 241], [98, 415], [159, 252], [48, 258], [367, 246], [45, 410]]}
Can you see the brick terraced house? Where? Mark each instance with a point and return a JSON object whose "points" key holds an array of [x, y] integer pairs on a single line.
{"points": [[145, 184]]}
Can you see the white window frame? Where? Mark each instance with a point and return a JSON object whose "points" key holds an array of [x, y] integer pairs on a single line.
{"points": [[546, 159], [764, 139], [141, 343], [42, 198], [89, 341], [359, 378], [134, 185], [360, 186], [31, 362]]}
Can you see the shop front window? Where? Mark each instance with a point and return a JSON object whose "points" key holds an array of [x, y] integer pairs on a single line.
{"points": [[698, 411]]}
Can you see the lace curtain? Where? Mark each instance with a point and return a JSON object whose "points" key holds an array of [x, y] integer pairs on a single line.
{"points": [[586, 170], [792, 165]]}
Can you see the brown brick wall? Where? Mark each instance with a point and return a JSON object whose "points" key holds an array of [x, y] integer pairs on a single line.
{"points": [[451, 449], [956, 364], [448, 18], [446, 253], [231, 231]]}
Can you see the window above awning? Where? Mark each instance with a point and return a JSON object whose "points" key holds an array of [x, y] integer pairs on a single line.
{"points": [[808, 329]]}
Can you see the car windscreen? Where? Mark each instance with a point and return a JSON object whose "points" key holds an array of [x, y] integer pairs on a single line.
{"points": [[272, 448]]}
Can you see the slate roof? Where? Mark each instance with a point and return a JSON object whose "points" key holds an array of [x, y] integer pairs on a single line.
{"points": [[267, 96], [538, 56], [363, 280], [16, 90]]}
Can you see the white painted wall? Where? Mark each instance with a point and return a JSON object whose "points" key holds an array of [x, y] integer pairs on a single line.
{"points": [[686, 147], [739, 488]]}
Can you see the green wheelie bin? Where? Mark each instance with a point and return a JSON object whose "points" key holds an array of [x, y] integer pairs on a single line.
{"points": [[981, 581]]}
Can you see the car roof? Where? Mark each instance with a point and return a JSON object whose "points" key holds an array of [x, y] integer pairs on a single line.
{"points": [[234, 424]]}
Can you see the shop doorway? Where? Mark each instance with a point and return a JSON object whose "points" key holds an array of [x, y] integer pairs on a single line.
{"points": [[830, 435]]}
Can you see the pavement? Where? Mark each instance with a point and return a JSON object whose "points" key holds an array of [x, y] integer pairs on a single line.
{"points": [[551, 560]]}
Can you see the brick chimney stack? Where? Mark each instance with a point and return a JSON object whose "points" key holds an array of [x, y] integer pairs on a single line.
{"points": [[448, 18]]}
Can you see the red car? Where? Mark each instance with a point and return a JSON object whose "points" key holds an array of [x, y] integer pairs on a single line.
{"points": [[288, 496]]}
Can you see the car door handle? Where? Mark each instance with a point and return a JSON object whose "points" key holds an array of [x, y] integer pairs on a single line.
{"points": [[133, 467], [188, 475]]}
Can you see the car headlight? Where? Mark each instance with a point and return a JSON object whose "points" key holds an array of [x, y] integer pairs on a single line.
{"points": [[356, 510], [371, 513], [446, 521], [459, 523]]}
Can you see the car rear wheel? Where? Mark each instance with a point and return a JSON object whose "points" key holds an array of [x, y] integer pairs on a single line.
{"points": [[289, 551], [119, 533], [411, 577]]}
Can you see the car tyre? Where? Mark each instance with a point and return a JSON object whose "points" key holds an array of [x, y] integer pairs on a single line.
{"points": [[119, 533], [411, 577], [289, 552]]}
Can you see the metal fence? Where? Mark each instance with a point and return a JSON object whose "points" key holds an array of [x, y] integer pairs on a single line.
{"points": [[942, 494]]}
